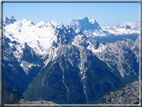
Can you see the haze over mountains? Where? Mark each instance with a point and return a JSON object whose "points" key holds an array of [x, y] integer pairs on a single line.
{"points": [[68, 63], [108, 34]]}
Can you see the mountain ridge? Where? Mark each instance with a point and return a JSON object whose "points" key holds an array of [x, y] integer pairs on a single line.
{"points": [[35, 56]]}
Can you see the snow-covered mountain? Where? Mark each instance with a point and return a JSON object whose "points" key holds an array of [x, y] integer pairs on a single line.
{"points": [[85, 24], [50, 55], [40, 37], [31, 46], [116, 55], [89, 27], [126, 28], [8, 20], [108, 34]]}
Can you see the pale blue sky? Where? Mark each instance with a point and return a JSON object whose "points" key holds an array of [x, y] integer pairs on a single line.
{"points": [[106, 14]]}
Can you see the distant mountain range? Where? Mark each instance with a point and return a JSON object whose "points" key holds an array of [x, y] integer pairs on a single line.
{"points": [[68, 64], [107, 34]]}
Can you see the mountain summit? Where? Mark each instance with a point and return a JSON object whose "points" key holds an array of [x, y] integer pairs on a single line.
{"points": [[63, 64], [85, 24], [8, 20]]}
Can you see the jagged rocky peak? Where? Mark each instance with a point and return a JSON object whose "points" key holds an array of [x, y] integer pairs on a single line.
{"points": [[27, 22], [136, 48], [125, 43], [127, 27], [56, 24], [85, 19], [120, 57], [137, 42], [8, 20], [78, 62], [11, 20], [85, 24], [92, 21]]}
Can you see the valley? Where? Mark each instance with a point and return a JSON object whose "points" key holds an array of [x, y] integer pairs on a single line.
{"points": [[68, 64]]}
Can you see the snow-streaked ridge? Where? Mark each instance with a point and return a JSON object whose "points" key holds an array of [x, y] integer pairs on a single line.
{"points": [[38, 39], [45, 38], [126, 28]]}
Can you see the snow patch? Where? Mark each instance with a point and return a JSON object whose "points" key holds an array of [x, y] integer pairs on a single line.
{"points": [[100, 49], [26, 66]]}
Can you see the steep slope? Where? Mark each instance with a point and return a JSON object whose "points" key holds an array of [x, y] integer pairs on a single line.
{"points": [[28, 47], [55, 85], [19, 73], [76, 76], [121, 56], [128, 94], [8, 20], [136, 48], [54, 62], [11, 95]]}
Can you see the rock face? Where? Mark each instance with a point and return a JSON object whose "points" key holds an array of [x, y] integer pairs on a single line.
{"points": [[76, 76], [11, 95], [129, 94], [8, 20], [85, 24], [19, 73], [107, 34], [54, 62], [120, 56]]}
